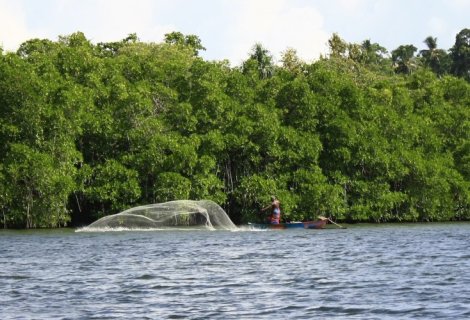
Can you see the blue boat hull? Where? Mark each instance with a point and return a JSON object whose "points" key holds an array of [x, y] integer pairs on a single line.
{"points": [[317, 224]]}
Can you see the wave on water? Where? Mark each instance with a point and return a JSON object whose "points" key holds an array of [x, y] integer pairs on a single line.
{"points": [[244, 228], [121, 229]]}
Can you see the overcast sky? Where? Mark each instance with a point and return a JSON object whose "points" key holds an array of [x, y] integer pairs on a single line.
{"points": [[230, 28]]}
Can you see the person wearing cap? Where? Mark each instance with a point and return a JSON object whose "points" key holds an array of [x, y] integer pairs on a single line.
{"points": [[275, 216]]}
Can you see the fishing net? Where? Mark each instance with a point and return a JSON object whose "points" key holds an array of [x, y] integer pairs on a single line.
{"points": [[181, 213]]}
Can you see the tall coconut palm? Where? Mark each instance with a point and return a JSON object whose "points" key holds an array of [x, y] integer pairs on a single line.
{"points": [[431, 43], [403, 58], [372, 53], [432, 57]]}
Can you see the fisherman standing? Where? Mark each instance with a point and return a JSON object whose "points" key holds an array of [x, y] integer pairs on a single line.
{"points": [[275, 216]]}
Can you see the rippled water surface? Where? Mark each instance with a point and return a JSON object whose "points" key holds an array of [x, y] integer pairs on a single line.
{"points": [[363, 272]]}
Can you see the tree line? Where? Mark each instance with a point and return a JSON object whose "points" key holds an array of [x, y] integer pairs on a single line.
{"points": [[88, 130]]}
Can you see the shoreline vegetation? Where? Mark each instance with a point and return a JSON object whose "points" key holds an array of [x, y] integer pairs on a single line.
{"points": [[360, 135]]}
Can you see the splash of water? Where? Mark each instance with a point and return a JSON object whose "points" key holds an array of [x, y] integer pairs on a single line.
{"points": [[180, 214]]}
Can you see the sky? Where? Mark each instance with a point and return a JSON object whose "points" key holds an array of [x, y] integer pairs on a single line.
{"points": [[230, 28]]}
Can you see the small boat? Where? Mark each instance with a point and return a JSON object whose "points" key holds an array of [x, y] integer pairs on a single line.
{"points": [[317, 224]]}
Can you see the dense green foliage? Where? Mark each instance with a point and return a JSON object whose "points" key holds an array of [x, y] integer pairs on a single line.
{"points": [[88, 130]]}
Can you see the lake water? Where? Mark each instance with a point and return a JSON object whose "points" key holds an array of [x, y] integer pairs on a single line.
{"points": [[364, 272]]}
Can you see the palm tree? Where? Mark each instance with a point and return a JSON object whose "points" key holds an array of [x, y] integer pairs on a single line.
{"points": [[432, 57], [373, 53], [431, 43], [403, 58]]}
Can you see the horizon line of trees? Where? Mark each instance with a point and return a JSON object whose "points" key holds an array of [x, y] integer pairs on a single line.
{"points": [[454, 61], [88, 130]]}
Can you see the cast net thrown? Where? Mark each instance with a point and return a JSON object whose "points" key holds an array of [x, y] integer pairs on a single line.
{"points": [[174, 214]]}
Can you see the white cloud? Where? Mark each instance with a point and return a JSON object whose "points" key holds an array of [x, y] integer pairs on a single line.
{"points": [[277, 25], [119, 18], [13, 30], [110, 20], [99, 20], [351, 6], [301, 29], [460, 4]]}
